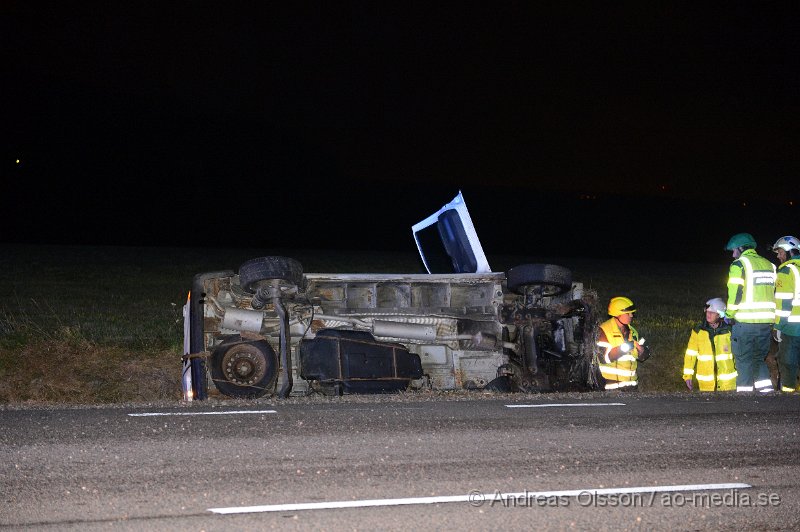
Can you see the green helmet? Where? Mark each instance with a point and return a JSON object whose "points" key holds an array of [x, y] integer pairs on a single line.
{"points": [[741, 239]]}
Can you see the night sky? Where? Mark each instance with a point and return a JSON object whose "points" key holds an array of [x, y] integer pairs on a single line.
{"points": [[583, 128]]}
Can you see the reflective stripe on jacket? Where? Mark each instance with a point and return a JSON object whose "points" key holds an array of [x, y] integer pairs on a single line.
{"points": [[751, 289], [619, 373], [709, 358], [787, 298]]}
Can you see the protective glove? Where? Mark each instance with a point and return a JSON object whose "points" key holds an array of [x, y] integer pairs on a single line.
{"points": [[688, 384], [776, 334], [645, 354]]}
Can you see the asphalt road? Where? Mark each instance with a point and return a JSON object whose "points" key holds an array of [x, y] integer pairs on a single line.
{"points": [[444, 461]]}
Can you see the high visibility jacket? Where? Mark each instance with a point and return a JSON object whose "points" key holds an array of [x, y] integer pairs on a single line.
{"points": [[787, 298], [619, 373], [709, 358], [751, 289]]}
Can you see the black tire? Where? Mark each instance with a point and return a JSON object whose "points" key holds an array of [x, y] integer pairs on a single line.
{"points": [[267, 268], [244, 369], [553, 279]]}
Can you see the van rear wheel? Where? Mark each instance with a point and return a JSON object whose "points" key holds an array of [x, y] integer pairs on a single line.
{"points": [[284, 269], [244, 369]]}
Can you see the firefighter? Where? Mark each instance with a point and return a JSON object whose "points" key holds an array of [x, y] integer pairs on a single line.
{"points": [[787, 311], [751, 304], [621, 348], [708, 355]]}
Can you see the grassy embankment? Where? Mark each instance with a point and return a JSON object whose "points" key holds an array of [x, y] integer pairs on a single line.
{"points": [[100, 325]]}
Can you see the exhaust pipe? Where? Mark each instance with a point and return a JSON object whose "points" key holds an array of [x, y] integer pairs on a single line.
{"points": [[411, 331], [239, 319]]}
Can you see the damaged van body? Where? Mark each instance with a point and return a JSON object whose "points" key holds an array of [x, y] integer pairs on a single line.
{"points": [[272, 329]]}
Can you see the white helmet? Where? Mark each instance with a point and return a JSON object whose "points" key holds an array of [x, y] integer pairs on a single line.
{"points": [[716, 305], [787, 243]]}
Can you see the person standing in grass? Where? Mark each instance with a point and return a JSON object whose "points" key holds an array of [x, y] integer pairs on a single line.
{"points": [[751, 304], [787, 311], [708, 356], [621, 348]]}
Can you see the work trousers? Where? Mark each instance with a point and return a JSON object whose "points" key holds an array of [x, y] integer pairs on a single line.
{"points": [[788, 361], [750, 345]]}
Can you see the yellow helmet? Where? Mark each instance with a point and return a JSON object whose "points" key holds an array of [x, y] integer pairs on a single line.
{"points": [[620, 305]]}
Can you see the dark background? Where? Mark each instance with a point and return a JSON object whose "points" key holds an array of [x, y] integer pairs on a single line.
{"points": [[649, 130]]}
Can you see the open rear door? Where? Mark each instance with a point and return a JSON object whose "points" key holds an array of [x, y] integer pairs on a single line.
{"points": [[447, 241]]}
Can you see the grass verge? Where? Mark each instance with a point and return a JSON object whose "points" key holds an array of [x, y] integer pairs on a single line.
{"points": [[65, 367]]}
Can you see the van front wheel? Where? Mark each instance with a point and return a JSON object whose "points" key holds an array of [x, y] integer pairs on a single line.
{"points": [[553, 279]]}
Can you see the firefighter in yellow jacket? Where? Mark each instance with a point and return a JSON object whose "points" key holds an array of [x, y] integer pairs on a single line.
{"points": [[621, 348], [751, 304], [708, 356], [787, 313]]}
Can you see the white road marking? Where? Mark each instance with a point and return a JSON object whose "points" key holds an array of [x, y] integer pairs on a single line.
{"points": [[471, 498], [143, 414], [565, 404], [366, 409]]}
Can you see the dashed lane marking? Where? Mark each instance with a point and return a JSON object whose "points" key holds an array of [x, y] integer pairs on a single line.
{"points": [[226, 412], [549, 405]]}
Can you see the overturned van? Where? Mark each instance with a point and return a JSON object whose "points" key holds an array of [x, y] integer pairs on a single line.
{"points": [[272, 329]]}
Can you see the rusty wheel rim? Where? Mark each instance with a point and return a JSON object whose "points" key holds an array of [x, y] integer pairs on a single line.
{"points": [[244, 365]]}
